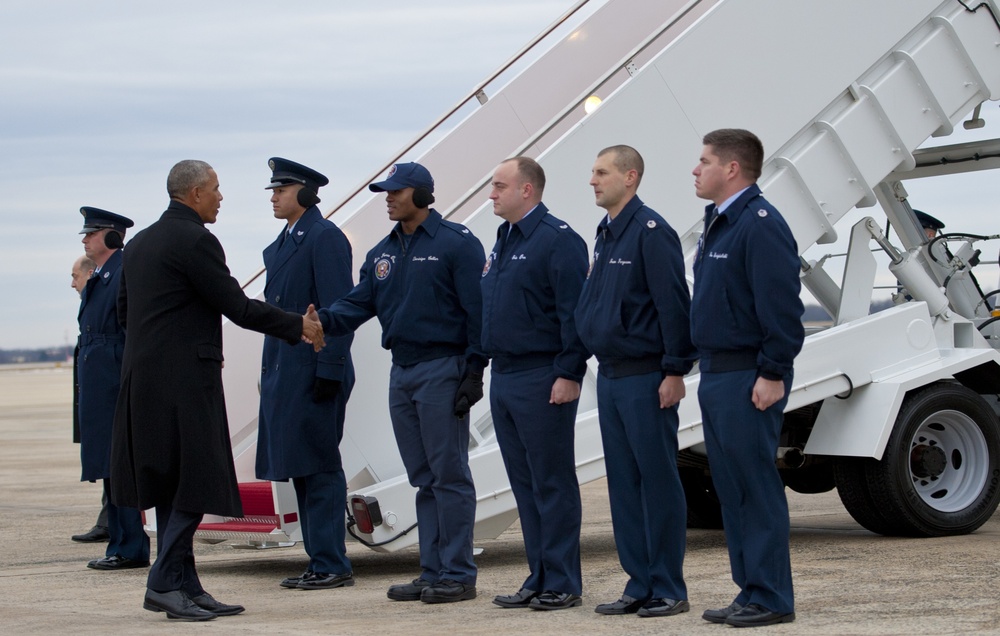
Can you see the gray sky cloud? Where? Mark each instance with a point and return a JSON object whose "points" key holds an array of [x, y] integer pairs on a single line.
{"points": [[101, 98]]}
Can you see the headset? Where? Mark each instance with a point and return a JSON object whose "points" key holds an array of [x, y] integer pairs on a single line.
{"points": [[422, 197], [113, 240], [306, 197]]}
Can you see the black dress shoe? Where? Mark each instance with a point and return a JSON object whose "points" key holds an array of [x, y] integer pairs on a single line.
{"points": [[625, 605], [754, 615], [116, 563], [555, 601], [521, 599], [448, 591], [206, 602], [325, 581], [408, 591], [292, 582], [97, 534], [176, 604], [720, 615], [663, 607]]}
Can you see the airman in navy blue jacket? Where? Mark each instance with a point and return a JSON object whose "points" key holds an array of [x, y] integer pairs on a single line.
{"points": [[633, 315], [531, 285], [746, 323], [422, 282], [303, 394], [98, 370]]}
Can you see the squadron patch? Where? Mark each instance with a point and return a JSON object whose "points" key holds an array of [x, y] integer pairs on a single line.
{"points": [[762, 213], [488, 265], [382, 267], [651, 224]]}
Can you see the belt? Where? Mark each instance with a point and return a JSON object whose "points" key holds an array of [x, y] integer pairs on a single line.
{"points": [[723, 361], [101, 338]]}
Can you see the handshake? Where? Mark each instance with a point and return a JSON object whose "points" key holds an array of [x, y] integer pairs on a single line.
{"points": [[312, 329]]}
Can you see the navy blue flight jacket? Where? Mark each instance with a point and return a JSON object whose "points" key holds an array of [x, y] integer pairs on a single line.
{"points": [[633, 310], [746, 312], [425, 294], [531, 285]]}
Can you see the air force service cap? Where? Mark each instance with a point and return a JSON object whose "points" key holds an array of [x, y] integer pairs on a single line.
{"points": [[285, 172], [927, 221], [95, 219], [405, 175]]}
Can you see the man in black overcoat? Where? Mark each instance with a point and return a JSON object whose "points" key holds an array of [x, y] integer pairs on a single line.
{"points": [[171, 448]]}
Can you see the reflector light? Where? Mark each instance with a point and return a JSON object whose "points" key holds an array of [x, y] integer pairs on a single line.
{"points": [[366, 512]]}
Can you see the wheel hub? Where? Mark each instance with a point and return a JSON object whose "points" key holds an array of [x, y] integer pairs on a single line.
{"points": [[927, 462]]}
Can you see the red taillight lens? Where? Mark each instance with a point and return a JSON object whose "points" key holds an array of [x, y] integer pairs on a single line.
{"points": [[366, 512]]}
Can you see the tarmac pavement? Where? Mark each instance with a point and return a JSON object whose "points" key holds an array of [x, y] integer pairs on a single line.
{"points": [[848, 580]]}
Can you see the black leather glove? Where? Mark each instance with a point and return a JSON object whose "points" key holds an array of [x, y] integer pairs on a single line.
{"points": [[469, 392], [324, 389]]}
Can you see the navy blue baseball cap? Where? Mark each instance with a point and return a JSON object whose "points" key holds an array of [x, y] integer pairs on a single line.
{"points": [[95, 219], [927, 221], [285, 172], [404, 175]]}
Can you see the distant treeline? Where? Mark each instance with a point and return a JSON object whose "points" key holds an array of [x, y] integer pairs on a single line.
{"points": [[49, 354], [813, 313]]}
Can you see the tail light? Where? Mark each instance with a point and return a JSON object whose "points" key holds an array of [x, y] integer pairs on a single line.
{"points": [[366, 512]]}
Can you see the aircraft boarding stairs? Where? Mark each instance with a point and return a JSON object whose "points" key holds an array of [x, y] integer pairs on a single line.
{"points": [[840, 93]]}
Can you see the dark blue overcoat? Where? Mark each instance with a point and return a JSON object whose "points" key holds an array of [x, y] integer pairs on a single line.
{"points": [[296, 435], [99, 368]]}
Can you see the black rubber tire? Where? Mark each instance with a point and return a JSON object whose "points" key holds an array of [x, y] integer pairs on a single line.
{"points": [[893, 496], [703, 508], [809, 480], [851, 476]]}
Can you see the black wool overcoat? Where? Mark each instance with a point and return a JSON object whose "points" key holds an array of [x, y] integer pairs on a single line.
{"points": [[171, 444]]}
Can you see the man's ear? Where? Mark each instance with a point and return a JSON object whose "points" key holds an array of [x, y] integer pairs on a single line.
{"points": [[734, 170]]}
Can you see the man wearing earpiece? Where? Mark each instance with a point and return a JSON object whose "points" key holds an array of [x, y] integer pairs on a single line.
{"points": [[98, 370], [82, 270], [303, 394], [422, 282]]}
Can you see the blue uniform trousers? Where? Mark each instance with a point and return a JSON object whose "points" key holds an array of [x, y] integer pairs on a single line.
{"points": [[648, 509], [322, 505], [434, 446], [126, 536], [742, 443], [174, 566], [536, 442]]}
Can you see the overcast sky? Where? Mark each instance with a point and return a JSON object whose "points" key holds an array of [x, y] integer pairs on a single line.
{"points": [[99, 99]]}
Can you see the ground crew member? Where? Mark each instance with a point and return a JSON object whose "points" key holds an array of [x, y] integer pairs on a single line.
{"points": [[633, 315], [746, 322], [531, 284], [422, 282]]}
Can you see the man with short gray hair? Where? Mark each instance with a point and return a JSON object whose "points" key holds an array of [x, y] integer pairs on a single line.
{"points": [[171, 445]]}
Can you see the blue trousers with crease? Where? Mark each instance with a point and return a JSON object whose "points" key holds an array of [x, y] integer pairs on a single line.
{"points": [[648, 508], [742, 443]]}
